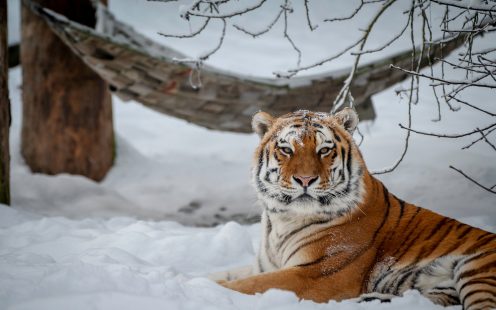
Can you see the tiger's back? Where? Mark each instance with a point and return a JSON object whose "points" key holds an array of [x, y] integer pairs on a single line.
{"points": [[332, 231]]}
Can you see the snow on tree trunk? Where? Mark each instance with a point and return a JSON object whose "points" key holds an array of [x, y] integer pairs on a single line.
{"points": [[4, 109], [67, 111]]}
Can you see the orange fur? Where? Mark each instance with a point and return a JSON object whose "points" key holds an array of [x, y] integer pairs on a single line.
{"points": [[374, 246]]}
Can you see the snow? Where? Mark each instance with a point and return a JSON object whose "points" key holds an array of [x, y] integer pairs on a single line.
{"points": [[122, 244], [122, 263]]}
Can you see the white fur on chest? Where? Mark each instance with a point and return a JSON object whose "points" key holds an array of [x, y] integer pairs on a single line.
{"points": [[282, 236]]}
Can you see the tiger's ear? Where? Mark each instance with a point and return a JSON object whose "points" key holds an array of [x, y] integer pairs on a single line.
{"points": [[261, 123], [348, 118]]}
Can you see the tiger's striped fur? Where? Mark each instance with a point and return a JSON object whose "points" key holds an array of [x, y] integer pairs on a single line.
{"points": [[343, 235]]}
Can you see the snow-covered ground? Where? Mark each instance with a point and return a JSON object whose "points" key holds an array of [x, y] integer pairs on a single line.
{"points": [[68, 242]]}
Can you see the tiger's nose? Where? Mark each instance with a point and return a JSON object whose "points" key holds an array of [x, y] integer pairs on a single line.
{"points": [[305, 181]]}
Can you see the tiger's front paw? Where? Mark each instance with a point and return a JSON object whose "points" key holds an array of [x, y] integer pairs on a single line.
{"points": [[220, 277]]}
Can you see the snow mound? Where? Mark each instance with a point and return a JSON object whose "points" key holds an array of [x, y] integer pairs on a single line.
{"points": [[122, 263]]}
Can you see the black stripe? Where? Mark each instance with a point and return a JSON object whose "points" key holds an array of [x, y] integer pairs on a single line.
{"points": [[386, 213], [480, 255], [460, 238], [409, 233], [348, 162], [343, 158], [304, 245], [484, 235], [266, 157], [269, 225], [453, 299], [403, 279], [480, 301], [267, 252], [402, 206], [407, 245], [259, 263], [398, 221], [466, 296], [383, 276], [473, 272], [465, 231], [292, 233], [276, 158], [426, 252], [444, 288], [490, 280], [436, 228], [480, 243], [260, 161], [318, 260]]}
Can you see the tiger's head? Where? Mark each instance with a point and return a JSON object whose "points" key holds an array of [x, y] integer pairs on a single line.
{"points": [[308, 163]]}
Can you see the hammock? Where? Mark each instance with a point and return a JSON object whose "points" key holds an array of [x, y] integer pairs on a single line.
{"points": [[137, 68]]}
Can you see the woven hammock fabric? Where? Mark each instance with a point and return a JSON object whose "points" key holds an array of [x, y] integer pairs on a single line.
{"points": [[136, 68]]}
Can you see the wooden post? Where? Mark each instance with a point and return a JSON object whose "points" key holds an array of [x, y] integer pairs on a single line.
{"points": [[67, 111], [4, 108]]}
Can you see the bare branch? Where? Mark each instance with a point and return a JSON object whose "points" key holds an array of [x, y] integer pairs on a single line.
{"points": [[344, 93], [486, 140], [451, 136], [355, 12], [191, 35], [452, 82], [192, 12], [264, 30], [471, 5], [474, 181], [477, 140], [309, 22], [221, 40], [410, 100], [288, 9]]}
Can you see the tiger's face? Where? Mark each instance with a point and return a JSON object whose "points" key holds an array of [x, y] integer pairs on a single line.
{"points": [[308, 163]]}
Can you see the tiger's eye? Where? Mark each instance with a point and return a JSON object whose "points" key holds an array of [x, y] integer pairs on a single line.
{"points": [[287, 150], [324, 150]]}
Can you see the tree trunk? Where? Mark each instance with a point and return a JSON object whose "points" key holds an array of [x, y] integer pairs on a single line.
{"points": [[4, 109], [67, 110]]}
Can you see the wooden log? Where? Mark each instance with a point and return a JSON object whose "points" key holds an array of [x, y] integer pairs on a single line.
{"points": [[4, 109], [67, 111]]}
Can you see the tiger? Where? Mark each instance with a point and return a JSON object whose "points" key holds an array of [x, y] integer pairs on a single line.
{"points": [[332, 231]]}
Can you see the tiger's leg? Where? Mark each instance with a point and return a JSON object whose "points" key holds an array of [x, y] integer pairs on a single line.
{"points": [[233, 274], [305, 283], [475, 279]]}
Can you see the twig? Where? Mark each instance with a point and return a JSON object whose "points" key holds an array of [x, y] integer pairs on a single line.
{"points": [[474, 181], [221, 40], [450, 136], [182, 36], [309, 22], [477, 140], [410, 101], [485, 139], [287, 9], [263, 31]]}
